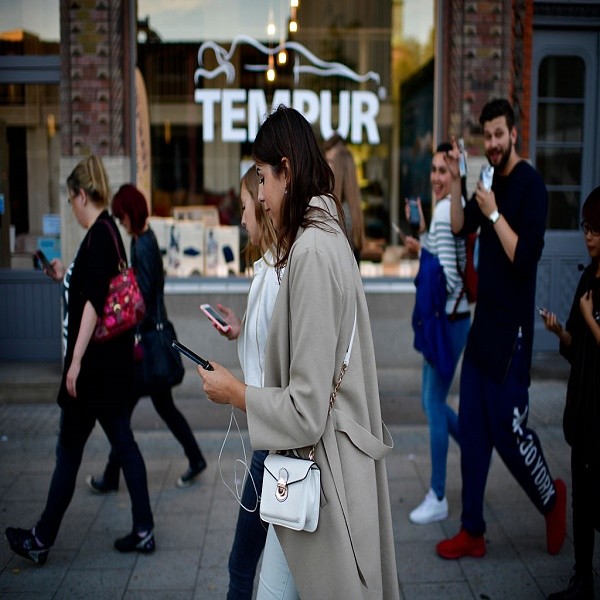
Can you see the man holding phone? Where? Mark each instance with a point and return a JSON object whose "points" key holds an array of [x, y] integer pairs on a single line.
{"points": [[494, 396]]}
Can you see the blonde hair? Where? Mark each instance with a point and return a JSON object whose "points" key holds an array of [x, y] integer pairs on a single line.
{"points": [[267, 236], [90, 176]]}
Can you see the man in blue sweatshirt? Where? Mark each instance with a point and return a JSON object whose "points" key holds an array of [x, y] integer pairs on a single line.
{"points": [[494, 383]]}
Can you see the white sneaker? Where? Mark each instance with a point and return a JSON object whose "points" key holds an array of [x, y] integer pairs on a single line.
{"points": [[430, 510]]}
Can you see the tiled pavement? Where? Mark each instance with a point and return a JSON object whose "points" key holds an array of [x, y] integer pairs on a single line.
{"points": [[194, 526]]}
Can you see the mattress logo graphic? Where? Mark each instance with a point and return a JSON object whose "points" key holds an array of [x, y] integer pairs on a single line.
{"points": [[242, 111]]}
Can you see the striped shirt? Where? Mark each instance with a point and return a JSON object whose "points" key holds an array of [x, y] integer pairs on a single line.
{"points": [[445, 245]]}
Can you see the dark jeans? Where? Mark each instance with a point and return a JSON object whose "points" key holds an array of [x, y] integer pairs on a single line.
{"points": [[76, 424], [170, 414], [493, 415], [250, 535]]}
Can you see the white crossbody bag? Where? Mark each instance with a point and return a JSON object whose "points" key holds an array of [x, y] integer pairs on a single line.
{"points": [[291, 487]]}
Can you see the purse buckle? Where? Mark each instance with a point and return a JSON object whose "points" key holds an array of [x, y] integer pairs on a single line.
{"points": [[281, 493]]}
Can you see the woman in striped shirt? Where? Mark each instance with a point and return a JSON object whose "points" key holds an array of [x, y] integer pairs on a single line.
{"points": [[443, 420]]}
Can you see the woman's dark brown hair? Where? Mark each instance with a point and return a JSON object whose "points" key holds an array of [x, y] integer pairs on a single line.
{"points": [[287, 134]]}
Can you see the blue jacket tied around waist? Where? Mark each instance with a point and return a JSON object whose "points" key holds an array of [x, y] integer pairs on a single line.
{"points": [[429, 320]]}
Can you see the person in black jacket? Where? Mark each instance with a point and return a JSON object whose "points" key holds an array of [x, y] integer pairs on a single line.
{"points": [[580, 345], [97, 381], [494, 382], [130, 207]]}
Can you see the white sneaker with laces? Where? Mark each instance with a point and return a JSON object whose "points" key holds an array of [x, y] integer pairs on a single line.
{"points": [[430, 510]]}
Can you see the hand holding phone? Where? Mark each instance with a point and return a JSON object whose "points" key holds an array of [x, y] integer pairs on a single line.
{"points": [[216, 317], [550, 320], [192, 356], [45, 263]]}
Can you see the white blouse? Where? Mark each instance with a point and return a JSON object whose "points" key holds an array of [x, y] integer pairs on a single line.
{"points": [[252, 341]]}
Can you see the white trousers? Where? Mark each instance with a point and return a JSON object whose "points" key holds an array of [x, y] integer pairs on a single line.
{"points": [[275, 581]]}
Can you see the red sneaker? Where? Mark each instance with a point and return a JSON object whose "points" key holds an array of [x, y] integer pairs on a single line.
{"points": [[556, 519], [462, 544]]}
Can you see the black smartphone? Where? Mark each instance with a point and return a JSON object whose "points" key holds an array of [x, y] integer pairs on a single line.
{"points": [[192, 356], [44, 262]]}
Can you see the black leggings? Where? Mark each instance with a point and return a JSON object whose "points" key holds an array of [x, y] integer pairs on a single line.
{"points": [[176, 422]]}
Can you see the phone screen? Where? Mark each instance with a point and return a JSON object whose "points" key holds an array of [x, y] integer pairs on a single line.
{"points": [[414, 217], [215, 316], [192, 356]]}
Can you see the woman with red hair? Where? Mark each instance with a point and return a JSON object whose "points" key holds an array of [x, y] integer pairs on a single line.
{"points": [[130, 207]]}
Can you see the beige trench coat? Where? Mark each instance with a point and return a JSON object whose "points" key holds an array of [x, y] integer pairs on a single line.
{"points": [[351, 554]]}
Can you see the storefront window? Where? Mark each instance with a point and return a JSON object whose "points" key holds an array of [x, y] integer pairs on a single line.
{"points": [[381, 44], [365, 69]]}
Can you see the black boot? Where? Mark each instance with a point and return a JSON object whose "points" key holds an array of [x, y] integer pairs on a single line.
{"points": [[581, 587]]}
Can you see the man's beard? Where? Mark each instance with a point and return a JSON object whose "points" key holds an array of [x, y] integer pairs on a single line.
{"points": [[504, 158]]}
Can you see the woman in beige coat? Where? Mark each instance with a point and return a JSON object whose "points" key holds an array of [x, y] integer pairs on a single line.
{"points": [[351, 553]]}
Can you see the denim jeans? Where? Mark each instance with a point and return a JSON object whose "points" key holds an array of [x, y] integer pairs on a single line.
{"points": [[176, 422], [276, 580], [442, 419], [76, 424], [250, 534]]}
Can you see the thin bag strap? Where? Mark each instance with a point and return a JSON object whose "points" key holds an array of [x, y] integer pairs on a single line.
{"points": [[122, 263], [336, 387], [344, 368]]}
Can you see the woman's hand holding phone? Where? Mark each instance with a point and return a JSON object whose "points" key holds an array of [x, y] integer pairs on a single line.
{"points": [[234, 322], [224, 320], [45, 264], [58, 270], [222, 387], [414, 215], [550, 321]]}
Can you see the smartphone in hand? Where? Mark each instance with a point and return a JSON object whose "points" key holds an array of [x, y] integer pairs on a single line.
{"points": [[192, 356], [216, 317], [543, 312], [45, 263], [414, 216]]}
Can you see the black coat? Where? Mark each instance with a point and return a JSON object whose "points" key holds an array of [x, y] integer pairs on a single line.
{"points": [[146, 260], [581, 420]]}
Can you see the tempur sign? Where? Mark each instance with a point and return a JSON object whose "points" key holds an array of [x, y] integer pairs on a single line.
{"points": [[242, 111]]}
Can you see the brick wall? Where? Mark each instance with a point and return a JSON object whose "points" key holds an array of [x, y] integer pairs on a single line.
{"points": [[94, 78], [487, 55]]}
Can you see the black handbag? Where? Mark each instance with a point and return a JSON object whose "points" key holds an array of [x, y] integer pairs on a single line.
{"points": [[158, 365]]}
